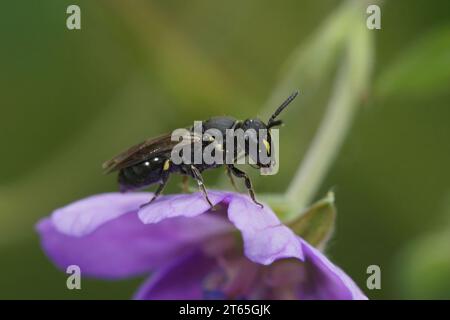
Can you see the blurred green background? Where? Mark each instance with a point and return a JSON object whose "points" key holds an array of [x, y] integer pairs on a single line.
{"points": [[72, 99]]}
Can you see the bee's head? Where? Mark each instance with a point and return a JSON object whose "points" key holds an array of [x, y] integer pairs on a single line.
{"points": [[257, 125], [257, 134], [254, 124]]}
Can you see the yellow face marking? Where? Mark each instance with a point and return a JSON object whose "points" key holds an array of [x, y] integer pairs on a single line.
{"points": [[267, 145], [166, 165]]}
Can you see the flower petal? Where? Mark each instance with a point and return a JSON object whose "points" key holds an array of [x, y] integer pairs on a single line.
{"points": [[265, 238], [118, 244], [324, 280], [84, 216], [186, 205], [180, 280]]}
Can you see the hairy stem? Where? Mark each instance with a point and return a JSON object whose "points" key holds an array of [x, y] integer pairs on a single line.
{"points": [[349, 87]]}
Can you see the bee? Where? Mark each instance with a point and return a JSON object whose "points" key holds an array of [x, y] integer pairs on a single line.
{"points": [[150, 162]]}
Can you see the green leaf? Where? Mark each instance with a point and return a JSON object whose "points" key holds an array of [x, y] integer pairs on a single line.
{"points": [[316, 224], [422, 69]]}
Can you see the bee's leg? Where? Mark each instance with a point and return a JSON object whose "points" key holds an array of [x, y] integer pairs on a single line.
{"points": [[248, 183], [198, 177], [185, 186], [159, 190], [230, 176]]}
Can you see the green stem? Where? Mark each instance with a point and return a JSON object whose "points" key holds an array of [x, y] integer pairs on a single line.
{"points": [[349, 87]]}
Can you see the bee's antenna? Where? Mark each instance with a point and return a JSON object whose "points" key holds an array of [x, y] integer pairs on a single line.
{"points": [[272, 121]]}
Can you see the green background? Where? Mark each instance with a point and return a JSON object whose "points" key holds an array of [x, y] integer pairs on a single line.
{"points": [[72, 99]]}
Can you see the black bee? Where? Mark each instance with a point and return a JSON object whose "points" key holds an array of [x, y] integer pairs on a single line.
{"points": [[150, 162]]}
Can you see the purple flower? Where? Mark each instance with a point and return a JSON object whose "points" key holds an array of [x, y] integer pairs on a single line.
{"points": [[191, 251]]}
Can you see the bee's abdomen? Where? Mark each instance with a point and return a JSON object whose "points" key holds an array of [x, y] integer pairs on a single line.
{"points": [[141, 175]]}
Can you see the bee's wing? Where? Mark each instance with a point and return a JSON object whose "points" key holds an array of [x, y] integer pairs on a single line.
{"points": [[147, 150]]}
